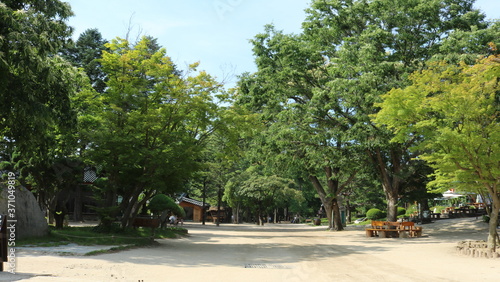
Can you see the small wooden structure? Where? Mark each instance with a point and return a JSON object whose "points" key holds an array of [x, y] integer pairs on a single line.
{"points": [[212, 214], [193, 208]]}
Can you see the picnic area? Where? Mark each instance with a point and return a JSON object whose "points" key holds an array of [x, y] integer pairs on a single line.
{"points": [[277, 252]]}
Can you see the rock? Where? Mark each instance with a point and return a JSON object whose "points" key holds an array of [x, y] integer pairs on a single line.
{"points": [[30, 218], [476, 249]]}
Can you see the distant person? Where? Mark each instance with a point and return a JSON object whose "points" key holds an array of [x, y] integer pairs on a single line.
{"points": [[173, 220]]}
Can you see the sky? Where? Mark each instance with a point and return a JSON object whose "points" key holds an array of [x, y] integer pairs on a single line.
{"points": [[215, 33]]}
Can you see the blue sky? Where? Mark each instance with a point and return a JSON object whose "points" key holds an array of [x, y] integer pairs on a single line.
{"points": [[214, 32]]}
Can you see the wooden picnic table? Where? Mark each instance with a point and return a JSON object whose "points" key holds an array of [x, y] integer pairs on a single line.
{"points": [[386, 229]]}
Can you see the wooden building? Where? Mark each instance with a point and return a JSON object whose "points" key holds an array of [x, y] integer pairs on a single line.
{"points": [[193, 208]]}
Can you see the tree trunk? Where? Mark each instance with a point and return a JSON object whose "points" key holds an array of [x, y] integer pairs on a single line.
{"points": [[260, 221], [326, 201], [337, 218], [329, 213], [237, 214], [129, 204], [389, 179], [219, 199], [136, 208], [77, 211], [60, 210], [51, 207], [392, 207], [493, 234], [348, 211], [329, 198]]}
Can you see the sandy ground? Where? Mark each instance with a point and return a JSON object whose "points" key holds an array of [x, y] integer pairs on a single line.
{"points": [[275, 252]]}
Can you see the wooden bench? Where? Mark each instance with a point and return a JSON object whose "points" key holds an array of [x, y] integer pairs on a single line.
{"points": [[146, 222], [436, 215], [377, 229], [413, 231], [385, 229]]}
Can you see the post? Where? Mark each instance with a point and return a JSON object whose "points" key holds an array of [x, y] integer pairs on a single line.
{"points": [[3, 240], [203, 211]]}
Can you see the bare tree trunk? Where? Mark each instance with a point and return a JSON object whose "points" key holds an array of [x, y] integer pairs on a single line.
{"points": [[219, 199]]}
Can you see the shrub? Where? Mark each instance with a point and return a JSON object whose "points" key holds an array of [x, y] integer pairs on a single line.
{"points": [[161, 203], [374, 214], [437, 209], [179, 211], [401, 211], [411, 209]]}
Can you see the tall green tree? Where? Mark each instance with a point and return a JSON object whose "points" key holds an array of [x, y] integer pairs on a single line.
{"points": [[259, 192], [371, 47], [456, 108], [35, 83], [85, 53], [37, 120], [350, 53], [153, 123], [301, 133], [224, 152]]}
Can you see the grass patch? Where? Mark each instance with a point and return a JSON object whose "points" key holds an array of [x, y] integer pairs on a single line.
{"points": [[88, 236]]}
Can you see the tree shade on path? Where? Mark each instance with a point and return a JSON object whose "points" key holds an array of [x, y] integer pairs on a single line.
{"points": [[281, 252]]}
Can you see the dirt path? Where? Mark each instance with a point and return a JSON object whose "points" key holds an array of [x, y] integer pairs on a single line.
{"points": [[277, 253]]}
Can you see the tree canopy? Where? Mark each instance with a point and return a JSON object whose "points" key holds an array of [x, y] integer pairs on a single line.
{"points": [[371, 96], [35, 83], [152, 121], [456, 109], [317, 90]]}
